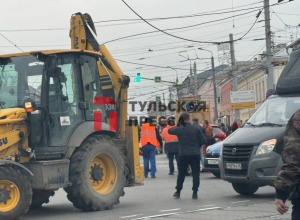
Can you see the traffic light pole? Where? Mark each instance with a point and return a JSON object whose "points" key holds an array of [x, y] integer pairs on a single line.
{"points": [[215, 90]]}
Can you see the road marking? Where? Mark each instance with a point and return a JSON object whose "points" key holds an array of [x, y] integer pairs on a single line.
{"points": [[240, 201], [205, 206], [176, 213], [131, 216], [169, 210]]}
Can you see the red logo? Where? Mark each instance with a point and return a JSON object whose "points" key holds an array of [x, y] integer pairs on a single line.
{"points": [[110, 106]]}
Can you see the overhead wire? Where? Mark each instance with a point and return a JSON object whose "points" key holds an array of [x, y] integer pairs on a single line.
{"points": [[160, 30], [11, 42]]}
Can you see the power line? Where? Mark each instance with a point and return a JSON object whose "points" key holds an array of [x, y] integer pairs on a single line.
{"points": [[11, 42], [185, 27], [150, 19]]}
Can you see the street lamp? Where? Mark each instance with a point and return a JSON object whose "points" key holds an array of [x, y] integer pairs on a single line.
{"points": [[176, 84], [215, 88], [176, 73]]}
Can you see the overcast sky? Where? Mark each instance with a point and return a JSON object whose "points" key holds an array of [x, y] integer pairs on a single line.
{"points": [[55, 14]]}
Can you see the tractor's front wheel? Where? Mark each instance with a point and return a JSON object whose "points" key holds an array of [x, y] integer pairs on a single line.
{"points": [[97, 174], [15, 193]]}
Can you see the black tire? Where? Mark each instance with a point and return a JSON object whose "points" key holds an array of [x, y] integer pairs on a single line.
{"points": [[40, 197], [81, 193], [23, 185], [216, 174], [245, 189]]}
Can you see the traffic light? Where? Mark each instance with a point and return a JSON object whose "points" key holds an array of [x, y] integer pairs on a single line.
{"points": [[179, 83], [137, 78]]}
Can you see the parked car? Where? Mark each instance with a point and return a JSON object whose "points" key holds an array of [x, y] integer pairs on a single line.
{"points": [[219, 134], [211, 160]]}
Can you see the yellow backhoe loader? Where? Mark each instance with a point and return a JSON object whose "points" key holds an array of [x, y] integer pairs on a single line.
{"points": [[63, 124]]}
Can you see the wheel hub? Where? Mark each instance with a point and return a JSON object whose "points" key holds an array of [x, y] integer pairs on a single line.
{"points": [[97, 173], [4, 195]]}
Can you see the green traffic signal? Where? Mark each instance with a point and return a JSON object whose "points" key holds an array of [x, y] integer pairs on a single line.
{"points": [[137, 78], [179, 83]]}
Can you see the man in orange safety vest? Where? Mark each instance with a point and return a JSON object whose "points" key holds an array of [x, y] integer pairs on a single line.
{"points": [[150, 140], [171, 145]]}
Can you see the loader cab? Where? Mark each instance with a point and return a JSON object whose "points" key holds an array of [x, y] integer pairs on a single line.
{"points": [[62, 87]]}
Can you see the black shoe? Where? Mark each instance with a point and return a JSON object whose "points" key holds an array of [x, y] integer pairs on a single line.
{"points": [[153, 176], [171, 174], [176, 195], [195, 196]]}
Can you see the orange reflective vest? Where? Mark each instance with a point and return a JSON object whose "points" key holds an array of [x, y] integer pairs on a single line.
{"points": [[168, 137], [148, 135]]}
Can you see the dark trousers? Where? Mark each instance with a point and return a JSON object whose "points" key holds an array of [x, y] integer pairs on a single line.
{"points": [[183, 163], [149, 156], [171, 161], [296, 209]]}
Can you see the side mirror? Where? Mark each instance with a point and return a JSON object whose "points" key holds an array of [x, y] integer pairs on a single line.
{"points": [[54, 71]]}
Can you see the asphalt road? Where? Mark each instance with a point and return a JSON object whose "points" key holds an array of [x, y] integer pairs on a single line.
{"points": [[217, 200]]}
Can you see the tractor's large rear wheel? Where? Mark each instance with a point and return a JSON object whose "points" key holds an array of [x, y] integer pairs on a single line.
{"points": [[97, 173], [15, 193]]}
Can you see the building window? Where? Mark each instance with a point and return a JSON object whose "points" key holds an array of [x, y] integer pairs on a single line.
{"points": [[256, 93], [259, 89], [264, 91]]}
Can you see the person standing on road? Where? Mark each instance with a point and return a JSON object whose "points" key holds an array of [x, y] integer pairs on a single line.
{"points": [[235, 125], [209, 135], [222, 127], [171, 145], [195, 122], [190, 140], [287, 183], [150, 140]]}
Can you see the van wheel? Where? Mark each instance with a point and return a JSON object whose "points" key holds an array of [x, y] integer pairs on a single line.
{"points": [[245, 189], [15, 193], [40, 197], [97, 173]]}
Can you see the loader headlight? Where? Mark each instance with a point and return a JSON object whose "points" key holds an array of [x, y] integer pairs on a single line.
{"points": [[266, 147], [30, 106]]}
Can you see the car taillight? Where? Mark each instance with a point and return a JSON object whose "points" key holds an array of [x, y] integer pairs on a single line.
{"points": [[224, 135]]}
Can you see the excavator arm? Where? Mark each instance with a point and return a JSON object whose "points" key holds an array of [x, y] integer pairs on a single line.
{"points": [[114, 84], [83, 36]]}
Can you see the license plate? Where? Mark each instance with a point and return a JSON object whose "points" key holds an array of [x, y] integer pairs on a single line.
{"points": [[213, 162], [234, 166]]}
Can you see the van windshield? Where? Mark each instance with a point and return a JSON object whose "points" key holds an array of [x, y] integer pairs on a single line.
{"points": [[275, 111]]}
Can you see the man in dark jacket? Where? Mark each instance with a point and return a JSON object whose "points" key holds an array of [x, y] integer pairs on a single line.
{"points": [[190, 140], [196, 123], [235, 125], [287, 183]]}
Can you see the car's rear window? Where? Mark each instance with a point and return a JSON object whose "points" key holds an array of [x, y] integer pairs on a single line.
{"points": [[217, 130]]}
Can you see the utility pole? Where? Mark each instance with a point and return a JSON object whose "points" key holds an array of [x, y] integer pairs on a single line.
{"points": [[234, 80], [215, 86], [195, 80], [270, 82], [164, 102], [191, 79], [215, 90]]}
